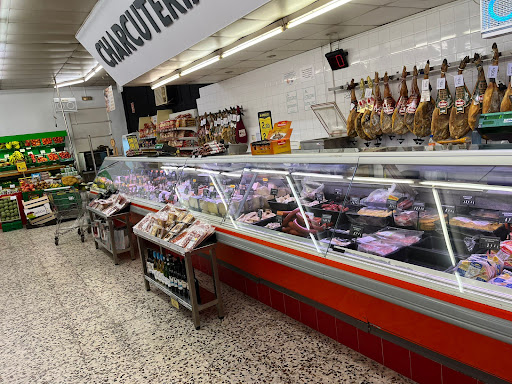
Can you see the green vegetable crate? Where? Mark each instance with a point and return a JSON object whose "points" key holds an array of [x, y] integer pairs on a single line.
{"points": [[12, 226], [9, 210]]}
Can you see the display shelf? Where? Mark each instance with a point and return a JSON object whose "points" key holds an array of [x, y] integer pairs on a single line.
{"points": [[147, 137], [187, 148], [49, 146], [33, 136], [15, 173]]}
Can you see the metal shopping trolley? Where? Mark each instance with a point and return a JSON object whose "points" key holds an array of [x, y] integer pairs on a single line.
{"points": [[67, 203]]}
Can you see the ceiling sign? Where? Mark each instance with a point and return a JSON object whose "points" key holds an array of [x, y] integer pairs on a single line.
{"points": [[496, 17], [130, 37]]}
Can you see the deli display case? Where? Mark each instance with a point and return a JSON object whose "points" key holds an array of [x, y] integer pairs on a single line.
{"points": [[427, 231]]}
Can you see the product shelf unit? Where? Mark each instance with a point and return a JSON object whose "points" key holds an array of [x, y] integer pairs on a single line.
{"points": [[206, 250], [112, 249]]}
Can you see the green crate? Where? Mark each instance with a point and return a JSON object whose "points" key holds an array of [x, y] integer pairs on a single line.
{"points": [[27, 196], [12, 226]]}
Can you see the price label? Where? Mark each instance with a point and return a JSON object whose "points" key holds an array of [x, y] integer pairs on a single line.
{"points": [[238, 117], [243, 191], [260, 213], [338, 193], [319, 197], [196, 190], [492, 72], [418, 207], [467, 200], [203, 122], [490, 243], [22, 150], [13, 198], [206, 192], [53, 149], [449, 209], [42, 151], [229, 193], [441, 83], [425, 85], [509, 69], [458, 81], [367, 93], [6, 156], [392, 202], [279, 219], [356, 230], [213, 194], [175, 303], [28, 148], [12, 186], [425, 96], [326, 219], [21, 166], [225, 121], [273, 192], [355, 200], [505, 217]]}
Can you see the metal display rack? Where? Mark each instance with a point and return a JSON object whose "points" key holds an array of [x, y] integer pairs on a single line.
{"points": [[112, 249], [207, 250]]}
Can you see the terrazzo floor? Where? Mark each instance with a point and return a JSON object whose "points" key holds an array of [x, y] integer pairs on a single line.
{"points": [[69, 315]]}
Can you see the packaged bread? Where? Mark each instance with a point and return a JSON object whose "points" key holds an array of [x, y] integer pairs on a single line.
{"points": [[478, 267]]}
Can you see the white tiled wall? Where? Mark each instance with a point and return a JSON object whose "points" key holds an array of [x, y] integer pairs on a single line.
{"points": [[451, 31]]}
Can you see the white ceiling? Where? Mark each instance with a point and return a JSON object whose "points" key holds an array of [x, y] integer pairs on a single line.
{"points": [[37, 39]]}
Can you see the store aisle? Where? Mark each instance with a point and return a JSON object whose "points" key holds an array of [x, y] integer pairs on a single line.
{"points": [[70, 316]]}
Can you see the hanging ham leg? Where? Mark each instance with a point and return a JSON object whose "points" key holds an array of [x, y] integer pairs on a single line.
{"points": [[351, 121], [399, 127], [506, 103], [413, 101], [475, 108], [375, 126], [359, 122], [388, 107], [459, 126], [423, 115], [365, 120], [441, 117], [491, 97]]}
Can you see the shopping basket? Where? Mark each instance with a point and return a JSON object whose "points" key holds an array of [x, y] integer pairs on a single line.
{"points": [[67, 204]]}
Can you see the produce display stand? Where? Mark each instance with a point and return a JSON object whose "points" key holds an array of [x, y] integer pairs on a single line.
{"points": [[124, 218], [208, 250]]}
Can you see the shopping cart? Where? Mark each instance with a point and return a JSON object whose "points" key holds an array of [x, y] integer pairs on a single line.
{"points": [[67, 204]]}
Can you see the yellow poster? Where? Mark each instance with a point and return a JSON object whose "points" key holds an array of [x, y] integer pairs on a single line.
{"points": [[265, 123], [21, 166]]}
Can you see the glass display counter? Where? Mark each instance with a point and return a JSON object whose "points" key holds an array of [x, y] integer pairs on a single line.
{"points": [[436, 220]]}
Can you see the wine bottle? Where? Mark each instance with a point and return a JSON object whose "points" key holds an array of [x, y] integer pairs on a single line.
{"points": [[150, 264]]}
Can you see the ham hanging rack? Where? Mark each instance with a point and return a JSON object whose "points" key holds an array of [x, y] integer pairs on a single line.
{"points": [[453, 66]]}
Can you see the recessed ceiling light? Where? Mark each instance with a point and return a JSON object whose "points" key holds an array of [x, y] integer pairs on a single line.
{"points": [[271, 56]]}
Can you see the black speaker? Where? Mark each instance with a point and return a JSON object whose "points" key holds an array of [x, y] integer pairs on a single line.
{"points": [[337, 59]]}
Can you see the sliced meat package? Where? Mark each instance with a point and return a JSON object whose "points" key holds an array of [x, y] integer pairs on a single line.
{"points": [[423, 115], [351, 121], [441, 117], [361, 111], [388, 107], [375, 127], [478, 93], [413, 101], [491, 102], [399, 126], [459, 125], [370, 103]]}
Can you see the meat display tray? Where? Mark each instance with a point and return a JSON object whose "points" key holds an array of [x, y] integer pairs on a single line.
{"points": [[275, 206], [318, 211], [460, 233], [375, 221]]}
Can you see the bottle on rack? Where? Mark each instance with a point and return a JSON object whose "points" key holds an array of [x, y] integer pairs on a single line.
{"points": [[183, 274], [196, 284], [166, 272], [173, 275], [150, 264]]}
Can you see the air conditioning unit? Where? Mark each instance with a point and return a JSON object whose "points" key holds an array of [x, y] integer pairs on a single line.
{"points": [[496, 18], [68, 104], [161, 96]]}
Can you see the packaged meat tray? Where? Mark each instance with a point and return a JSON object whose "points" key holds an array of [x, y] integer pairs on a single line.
{"points": [[370, 216], [407, 219], [388, 242], [375, 246], [335, 210], [428, 220], [467, 226]]}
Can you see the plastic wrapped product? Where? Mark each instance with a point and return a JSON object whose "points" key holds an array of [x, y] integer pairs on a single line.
{"points": [[503, 280], [477, 267], [406, 218], [375, 246]]}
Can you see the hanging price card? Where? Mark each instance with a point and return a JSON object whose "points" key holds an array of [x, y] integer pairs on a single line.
{"points": [[367, 93], [490, 243], [509, 69], [458, 80], [441, 83], [467, 200], [356, 230], [492, 71], [425, 85], [326, 219]]}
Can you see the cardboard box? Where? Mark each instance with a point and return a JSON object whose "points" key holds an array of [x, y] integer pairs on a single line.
{"points": [[37, 208], [278, 140]]}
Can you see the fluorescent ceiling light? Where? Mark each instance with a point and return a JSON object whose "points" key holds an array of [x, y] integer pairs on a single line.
{"points": [[202, 65], [68, 83], [466, 186], [252, 42], [379, 180], [165, 81], [316, 12], [232, 174], [269, 171], [318, 175], [208, 171], [93, 72]]}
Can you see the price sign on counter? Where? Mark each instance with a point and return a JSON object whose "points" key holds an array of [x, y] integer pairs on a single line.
{"points": [[326, 219], [339, 194], [467, 200], [392, 202], [273, 192], [279, 219], [505, 217], [356, 230], [418, 207], [490, 243], [355, 200], [213, 194], [319, 197], [206, 192], [21, 166], [265, 123], [449, 209], [260, 213]]}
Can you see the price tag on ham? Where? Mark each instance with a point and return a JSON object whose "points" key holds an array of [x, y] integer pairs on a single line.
{"points": [[467, 200], [458, 80], [441, 83], [492, 72], [490, 243], [326, 219], [425, 85], [367, 93], [356, 230]]}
